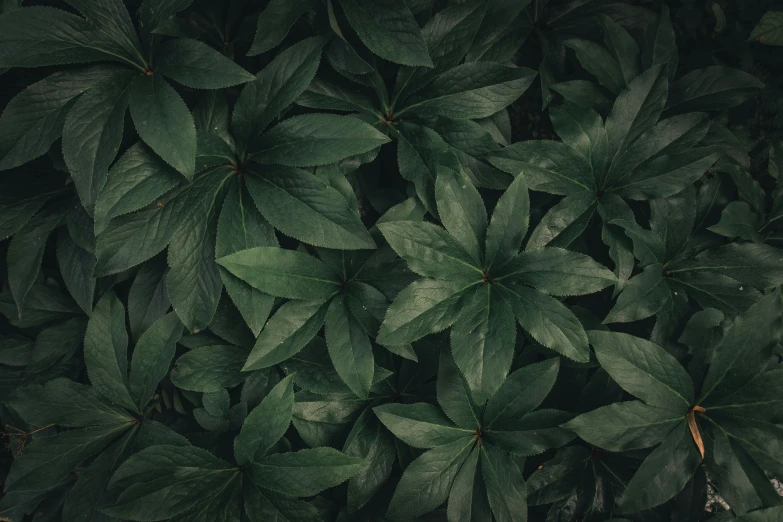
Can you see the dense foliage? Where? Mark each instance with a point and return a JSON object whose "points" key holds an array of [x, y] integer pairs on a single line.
{"points": [[369, 260]]}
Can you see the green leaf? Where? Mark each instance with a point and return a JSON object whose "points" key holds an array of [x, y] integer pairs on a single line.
{"points": [[198, 66], [448, 34], [275, 22], [152, 357], [582, 129], [81, 504], [738, 220], [39, 36], [429, 250], [637, 109], [426, 482], [420, 425], [275, 88], [66, 403], [424, 307], [760, 398], [262, 505], [769, 30], [462, 211], [622, 46], [47, 461], [663, 473], [106, 351], [505, 485], [454, 395], [266, 424], [564, 222], [26, 251], [389, 30], [308, 140], [745, 349], [508, 225], [522, 392], [147, 299], [304, 473], [482, 341], [288, 331], [209, 369], [468, 495], [304, 207], [242, 227], [548, 321], [419, 150], [644, 369], [643, 296], [164, 122], [548, 166], [712, 88], [283, 273], [758, 438], [660, 45], [164, 481], [135, 180], [624, 426], [349, 347], [556, 271], [598, 61], [370, 441], [92, 134], [472, 90], [113, 23], [193, 281], [752, 264]]}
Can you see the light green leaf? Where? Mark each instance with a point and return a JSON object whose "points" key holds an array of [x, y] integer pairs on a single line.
{"points": [[462, 211], [508, 225]]}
